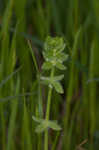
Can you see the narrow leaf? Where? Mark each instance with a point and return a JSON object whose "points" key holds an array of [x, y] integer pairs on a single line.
{"points": [[33, 57], [53, 125], [58, 87], [62, 57], [40, 128], [37, 119], [47, 66], [45, 80], [58, 78], [60, 66], [9, 98], [9, 77]]}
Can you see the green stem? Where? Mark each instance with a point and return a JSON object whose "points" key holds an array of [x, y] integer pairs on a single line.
{"points": [[48, 113]]}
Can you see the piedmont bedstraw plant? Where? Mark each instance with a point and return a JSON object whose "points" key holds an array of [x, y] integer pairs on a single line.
{"points": [[54, 58]]}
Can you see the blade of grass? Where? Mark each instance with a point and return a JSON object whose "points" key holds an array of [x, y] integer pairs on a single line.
{"points": [[9, 77], [12, 122], [92, 88], [71, 86], [33, 57], [10, 98], [3, 60], [26, 125]]}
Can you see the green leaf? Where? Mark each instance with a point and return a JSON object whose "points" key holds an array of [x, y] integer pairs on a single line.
{"points": [[53, 82], [58, 87], [37, 119], [61, 57], [9, 77], [45, 80], [60, 66], [53, 48], [57, 78], [47, 66], [48, 80], [45, 124], [33, 57], [56, 43], [48, 55], [40, 128], [53, 125]]}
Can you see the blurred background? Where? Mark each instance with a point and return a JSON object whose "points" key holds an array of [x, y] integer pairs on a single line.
{"points": [[77, 110]]}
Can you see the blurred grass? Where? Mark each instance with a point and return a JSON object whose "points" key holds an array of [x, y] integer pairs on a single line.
{"points": [[78, 109]]}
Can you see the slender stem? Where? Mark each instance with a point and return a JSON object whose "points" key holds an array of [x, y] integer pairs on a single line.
{"points": [[48, 113]]}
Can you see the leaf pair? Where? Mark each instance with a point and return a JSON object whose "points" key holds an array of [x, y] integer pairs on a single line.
{"points": [[45, 125], [54, 82], [54, 55], [50, 64]]}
